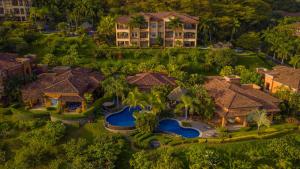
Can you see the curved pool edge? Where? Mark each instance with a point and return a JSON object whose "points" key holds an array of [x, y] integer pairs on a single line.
{"points": [[180, 124], [115, 128]]}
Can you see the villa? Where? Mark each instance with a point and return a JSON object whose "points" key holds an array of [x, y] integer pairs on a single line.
{"points": [[12, 65], [235, 101], [146, 81], [63, 88], [157, 27], [281, 76]]}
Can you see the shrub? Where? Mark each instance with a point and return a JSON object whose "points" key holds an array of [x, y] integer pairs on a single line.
{"points": [[5, 111]]}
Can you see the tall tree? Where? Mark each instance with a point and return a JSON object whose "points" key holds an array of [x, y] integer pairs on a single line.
{"points": [[115, 86], [187, 104]]}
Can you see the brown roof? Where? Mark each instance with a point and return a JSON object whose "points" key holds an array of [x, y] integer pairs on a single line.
{"points": [[8, 60], [159, 16], [238, 100], [146, 81], [76, 81], [286, 75]]}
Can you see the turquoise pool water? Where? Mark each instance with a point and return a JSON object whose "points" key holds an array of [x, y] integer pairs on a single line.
{"points": [[172, 126]]}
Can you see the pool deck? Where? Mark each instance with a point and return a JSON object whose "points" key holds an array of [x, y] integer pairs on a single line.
{"points": [[207, 131]]}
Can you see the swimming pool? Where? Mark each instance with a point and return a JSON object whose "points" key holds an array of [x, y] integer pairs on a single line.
{"points": [[123, 118], [174, 126]]}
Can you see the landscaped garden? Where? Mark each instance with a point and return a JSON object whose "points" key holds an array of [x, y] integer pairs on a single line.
{"points": [[174, 125]]}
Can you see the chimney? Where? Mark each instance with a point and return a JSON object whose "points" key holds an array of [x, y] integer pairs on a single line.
{"points": [[233, 79]]}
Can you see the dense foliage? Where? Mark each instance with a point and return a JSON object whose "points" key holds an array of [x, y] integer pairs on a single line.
{"points": [[276, 153]]}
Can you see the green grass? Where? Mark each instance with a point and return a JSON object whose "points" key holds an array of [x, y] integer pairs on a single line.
{"points": [[252, 60]]}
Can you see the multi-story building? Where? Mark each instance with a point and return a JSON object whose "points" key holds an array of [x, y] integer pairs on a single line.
{"points": [[156, 31], [17, 10], [11, 66]]}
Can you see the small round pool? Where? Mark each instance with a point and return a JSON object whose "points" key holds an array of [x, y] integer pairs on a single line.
{"points": [[173, 126], [123, 118]]}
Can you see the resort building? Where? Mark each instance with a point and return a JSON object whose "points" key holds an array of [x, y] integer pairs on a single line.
{"points": [[235, 101], [281, 76], [63, 88], [17, 10], [11, 65], [157, 31], [146, 81]]}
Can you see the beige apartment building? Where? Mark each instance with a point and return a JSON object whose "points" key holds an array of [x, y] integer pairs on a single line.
{"points": [[157, 32], [17, 10]]}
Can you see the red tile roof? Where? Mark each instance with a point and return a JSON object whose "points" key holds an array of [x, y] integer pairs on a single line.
{"points": [[75, 81], [286, 75], [159, 16], [146, 81], [8, 60], [238, 100]]}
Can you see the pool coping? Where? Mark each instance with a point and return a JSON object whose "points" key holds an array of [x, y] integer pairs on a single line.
{"points": [[117, 128], [180, 124]]}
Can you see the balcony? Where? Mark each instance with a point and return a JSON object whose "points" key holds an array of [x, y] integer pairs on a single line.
{"points": [[189, 35], [189, 26], [121, 26]]}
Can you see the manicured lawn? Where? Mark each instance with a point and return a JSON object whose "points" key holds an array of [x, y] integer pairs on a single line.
{"points": [[252, 61]]}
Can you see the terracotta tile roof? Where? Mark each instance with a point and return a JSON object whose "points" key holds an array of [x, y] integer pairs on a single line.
{"points": [[146, 81], [8, 60], [286, 75], [239, 100], [74, 81], [160, 16]]}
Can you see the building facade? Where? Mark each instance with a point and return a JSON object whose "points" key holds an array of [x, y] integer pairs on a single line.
{"points": [[157, 31], [10, 66], [17, 10], [281, 77]]}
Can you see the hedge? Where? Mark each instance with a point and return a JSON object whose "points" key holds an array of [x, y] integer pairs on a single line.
{"points": [[246, 137]]}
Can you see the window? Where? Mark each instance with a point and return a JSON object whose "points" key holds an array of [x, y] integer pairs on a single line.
{"points": [[153, 34], [189, 35], [20, 3], [16, 11], [144, 34], [153, 25], [15, 3], [169, 34], [134, 35], [22, 11], [1, 11], [178, 35]]}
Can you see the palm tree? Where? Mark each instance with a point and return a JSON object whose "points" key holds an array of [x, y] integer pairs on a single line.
{"points": [[260, 118], [187, 104], [137, 21], [236, 25], [155, 101], [115, 87], [174, 23], [134, 99], [295, 60], [206, 27]]}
